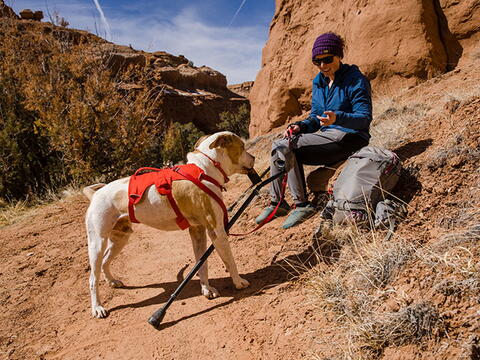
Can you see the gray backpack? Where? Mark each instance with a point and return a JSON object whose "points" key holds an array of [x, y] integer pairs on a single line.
{"points": [[366, 180]]}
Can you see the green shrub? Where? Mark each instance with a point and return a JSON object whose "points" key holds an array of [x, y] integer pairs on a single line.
{"points": [[26, 161], [236, 122], [178, 141]]}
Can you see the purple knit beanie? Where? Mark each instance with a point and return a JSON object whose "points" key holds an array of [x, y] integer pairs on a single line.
{"points": [[328, 43]]}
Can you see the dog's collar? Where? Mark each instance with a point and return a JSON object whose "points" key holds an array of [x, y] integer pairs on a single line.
{"points": [[217, 165]]}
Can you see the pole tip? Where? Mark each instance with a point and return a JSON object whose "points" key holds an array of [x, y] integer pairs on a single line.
{"points": [[155, 321]]}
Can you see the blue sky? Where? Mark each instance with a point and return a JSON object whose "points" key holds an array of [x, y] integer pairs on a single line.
{"points": [[207, 32]]}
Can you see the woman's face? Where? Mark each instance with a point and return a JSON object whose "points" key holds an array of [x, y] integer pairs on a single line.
{"points": [[328, 64]]}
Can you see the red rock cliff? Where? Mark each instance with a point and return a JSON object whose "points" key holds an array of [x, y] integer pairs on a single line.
{"points": [[395, 43]]}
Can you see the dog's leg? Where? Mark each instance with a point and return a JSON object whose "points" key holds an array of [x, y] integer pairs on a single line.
{"points": [[220, 240], [199, 242], [98, 232], [96, 249], [115, 245], [118, 239]]}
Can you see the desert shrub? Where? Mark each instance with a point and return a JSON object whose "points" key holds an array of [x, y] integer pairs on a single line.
{"points": [[26, 160], [236, 122], [64, 118], [407, 326], [178, 141]]}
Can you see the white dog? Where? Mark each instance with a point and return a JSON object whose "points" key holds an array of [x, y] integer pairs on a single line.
{"points": [[109, 226]]}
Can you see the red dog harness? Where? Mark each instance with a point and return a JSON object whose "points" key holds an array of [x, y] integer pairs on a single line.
{"points": [[162, 179]]}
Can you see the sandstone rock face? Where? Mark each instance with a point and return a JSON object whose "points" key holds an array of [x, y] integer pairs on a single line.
{"points": [[242, 89], [463, 17], [395, 43], [185, 93]]}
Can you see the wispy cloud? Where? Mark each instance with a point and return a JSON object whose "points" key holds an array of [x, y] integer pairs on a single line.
{"points": [[103, 18], [234, 51], [235, 16]]}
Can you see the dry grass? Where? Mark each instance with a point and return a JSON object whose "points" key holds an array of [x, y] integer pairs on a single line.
{"points": [[407, 326], [391, 119], [11, 212], [357, 283], [14, 211], [455, 258], [362, 262]]}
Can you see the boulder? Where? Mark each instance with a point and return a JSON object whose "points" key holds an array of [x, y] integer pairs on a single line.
{"points": [[38, 15], [187, 77], [26, 14], [120, 61], [396, 44], [321, 179]]}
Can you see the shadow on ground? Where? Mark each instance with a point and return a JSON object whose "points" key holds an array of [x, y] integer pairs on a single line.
{"points": [[278, 272]]}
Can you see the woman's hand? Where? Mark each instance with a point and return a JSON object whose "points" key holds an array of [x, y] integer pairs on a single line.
{"points": [[291, 130], [329, 119]]}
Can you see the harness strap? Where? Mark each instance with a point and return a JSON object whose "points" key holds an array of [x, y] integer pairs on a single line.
{"points": [[217, 165], [271, 216], [205, 177], [207, 190], [133, 197], [181, 221], [131, 211]]}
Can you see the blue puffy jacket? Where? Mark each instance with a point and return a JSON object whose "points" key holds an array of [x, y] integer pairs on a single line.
{"points": [[350, 97]]}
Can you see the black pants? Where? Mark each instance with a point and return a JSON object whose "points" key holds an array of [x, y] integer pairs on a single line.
{"points": [[320, 148]]}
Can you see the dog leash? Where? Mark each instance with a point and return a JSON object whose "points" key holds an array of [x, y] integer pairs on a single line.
{"points": [[282, 192], [272, 214]]}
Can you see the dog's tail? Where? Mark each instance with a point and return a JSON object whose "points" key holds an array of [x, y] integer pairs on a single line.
{"points": [[88, 191]]}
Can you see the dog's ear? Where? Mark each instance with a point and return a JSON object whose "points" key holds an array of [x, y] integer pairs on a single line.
{"points": [[223, 140], [199, 141]]}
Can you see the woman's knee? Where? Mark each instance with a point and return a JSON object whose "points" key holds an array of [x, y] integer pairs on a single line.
{"points": [[279, 142]]}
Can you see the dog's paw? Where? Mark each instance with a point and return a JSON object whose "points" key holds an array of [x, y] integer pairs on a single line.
{"points": [[115, 283], [210, 292], [241, 283], [99, 312]]}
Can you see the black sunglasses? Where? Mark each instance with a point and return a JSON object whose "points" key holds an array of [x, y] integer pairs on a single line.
{"points": [[325, 60]]}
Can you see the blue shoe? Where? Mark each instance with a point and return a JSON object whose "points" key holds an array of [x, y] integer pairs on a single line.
{"points": [[282, 210], [299, 215]]}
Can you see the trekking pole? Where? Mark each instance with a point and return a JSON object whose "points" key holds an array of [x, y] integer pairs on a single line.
{"points": [[255, 179], [158, 315]]}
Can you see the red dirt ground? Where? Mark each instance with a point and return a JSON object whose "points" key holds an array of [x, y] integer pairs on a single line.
{"points": [[44, 272], [45, 297]]}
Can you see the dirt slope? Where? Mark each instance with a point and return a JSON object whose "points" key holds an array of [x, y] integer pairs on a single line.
{"points": [[44, 276], [44, 270]]}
